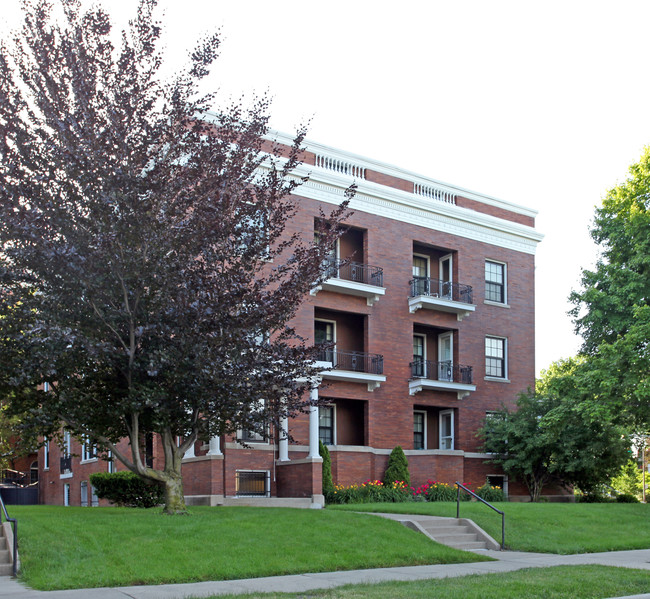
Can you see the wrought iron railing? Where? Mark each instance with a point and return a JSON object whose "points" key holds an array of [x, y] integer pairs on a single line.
{"points": [[252, 484], [441, 289], [441, 371], [14, 527], [356, 272], [503, 515], [16, 478], [355, 361]]}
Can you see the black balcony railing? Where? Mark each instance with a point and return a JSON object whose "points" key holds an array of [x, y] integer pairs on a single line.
{"points": [[355, 271], [355, 361], [441, 371], [66, 464], [442, 289]]}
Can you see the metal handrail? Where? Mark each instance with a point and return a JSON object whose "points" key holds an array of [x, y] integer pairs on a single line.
{"points": [[503, 515], [441, 289], [14, 526]]}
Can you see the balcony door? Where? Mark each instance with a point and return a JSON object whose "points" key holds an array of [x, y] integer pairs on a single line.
{"points": [[446, 357], [325, 334], [445, 276], [420, 275], [419, 355]]}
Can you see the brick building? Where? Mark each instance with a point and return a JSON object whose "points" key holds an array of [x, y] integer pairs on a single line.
{"points": [[431, 309]]}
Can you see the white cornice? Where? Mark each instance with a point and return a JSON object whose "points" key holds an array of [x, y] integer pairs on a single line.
{"points": [[329, 187], [394, 171]]}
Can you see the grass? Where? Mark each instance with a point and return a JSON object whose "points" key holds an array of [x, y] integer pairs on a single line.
{"points": [[577, 582], [61, 547], [545, 527]]}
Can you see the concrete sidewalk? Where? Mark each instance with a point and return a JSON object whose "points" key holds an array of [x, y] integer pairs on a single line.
{"points": [[508, 561]]}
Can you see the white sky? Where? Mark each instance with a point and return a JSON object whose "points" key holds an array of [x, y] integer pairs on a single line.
{"points": [[541, 104]]}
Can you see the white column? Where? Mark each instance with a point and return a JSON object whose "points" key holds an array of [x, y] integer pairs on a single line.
{"points": [[190, 452], [283, 443], [313, 426], [215, 446]]}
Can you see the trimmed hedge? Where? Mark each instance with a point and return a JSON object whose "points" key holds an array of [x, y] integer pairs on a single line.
{"points": [[328, 485], [398, 468], [126, 488]]}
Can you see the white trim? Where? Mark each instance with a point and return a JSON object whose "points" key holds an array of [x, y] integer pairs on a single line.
{"points": [[388, 169], [428, 260], [66, 494], [504, 378], [505, 283], [450, 258], [424, 344], [442, 337], [453, 432]]}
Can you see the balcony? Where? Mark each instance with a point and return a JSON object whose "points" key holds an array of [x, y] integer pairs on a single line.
{"points": [[443, 296], [353, 278], [441, 376], [65, 465], [353, 367]]}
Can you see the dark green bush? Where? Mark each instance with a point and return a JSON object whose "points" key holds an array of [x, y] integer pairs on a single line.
{"points": [[328, 485], [398, 468], [626, 498], [125, 488], [593, 498]]}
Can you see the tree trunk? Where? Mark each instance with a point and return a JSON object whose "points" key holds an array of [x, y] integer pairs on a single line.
{"points": [[174, 497]]}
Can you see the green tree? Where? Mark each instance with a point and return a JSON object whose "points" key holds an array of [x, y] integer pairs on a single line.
{"points": [[398, 467], [612, 309], [555, 436], [145, 273], [328, 484], [629, 479]]}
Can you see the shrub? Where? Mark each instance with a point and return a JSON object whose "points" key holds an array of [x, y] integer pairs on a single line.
{"points": [[490, 493], [125, 488], [438, 491], [398, 468], [328, 485], [626, 498], [593, 498]]}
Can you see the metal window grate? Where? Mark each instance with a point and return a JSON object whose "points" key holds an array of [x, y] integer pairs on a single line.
{"points": [[252, 484]]}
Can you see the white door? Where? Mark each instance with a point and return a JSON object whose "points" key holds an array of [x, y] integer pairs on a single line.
{"points": [[420, 275], [446, 419], [445, 357]]}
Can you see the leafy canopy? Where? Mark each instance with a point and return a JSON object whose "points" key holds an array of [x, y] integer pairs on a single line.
{"points": [[145, 270]]}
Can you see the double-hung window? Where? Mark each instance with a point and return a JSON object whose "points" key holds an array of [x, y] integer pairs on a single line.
{"points": [[89, 450], [419, 430], [495, 282], [496, 357], [326, 425]]}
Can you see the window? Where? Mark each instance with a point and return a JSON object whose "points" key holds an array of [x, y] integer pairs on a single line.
{"points": [[325, 334], [419, 356], [111, 462], [94, 500], [446, 421], [46, 454], [67, 444], [66, 494], [259, 433], [84, 493], [326, 425], [495, 358], [420, 275], [89, 450], [498, 480], [419, 430], [495, 282]]}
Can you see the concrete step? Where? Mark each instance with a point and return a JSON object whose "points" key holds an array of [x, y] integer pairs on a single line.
{"points": [[459, 538], [445, 530], [5, 556], [470, 546], [6, 570]]}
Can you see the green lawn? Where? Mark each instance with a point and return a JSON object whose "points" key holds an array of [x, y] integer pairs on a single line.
{"points": [[576, 582], [547, 527], [61, 547]]}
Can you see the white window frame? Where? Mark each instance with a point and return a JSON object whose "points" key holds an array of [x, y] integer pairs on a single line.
{"points": [[111, 462], [442, 337], [505, 283], [425, 444], [46, 454], [67, 444], [83, 487], [66, 494], [441, 415], [505, 482], [88, 451], [334, 340], [491, 377], [94, 499], [333, 408], [426, 285], [447, 292]]}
